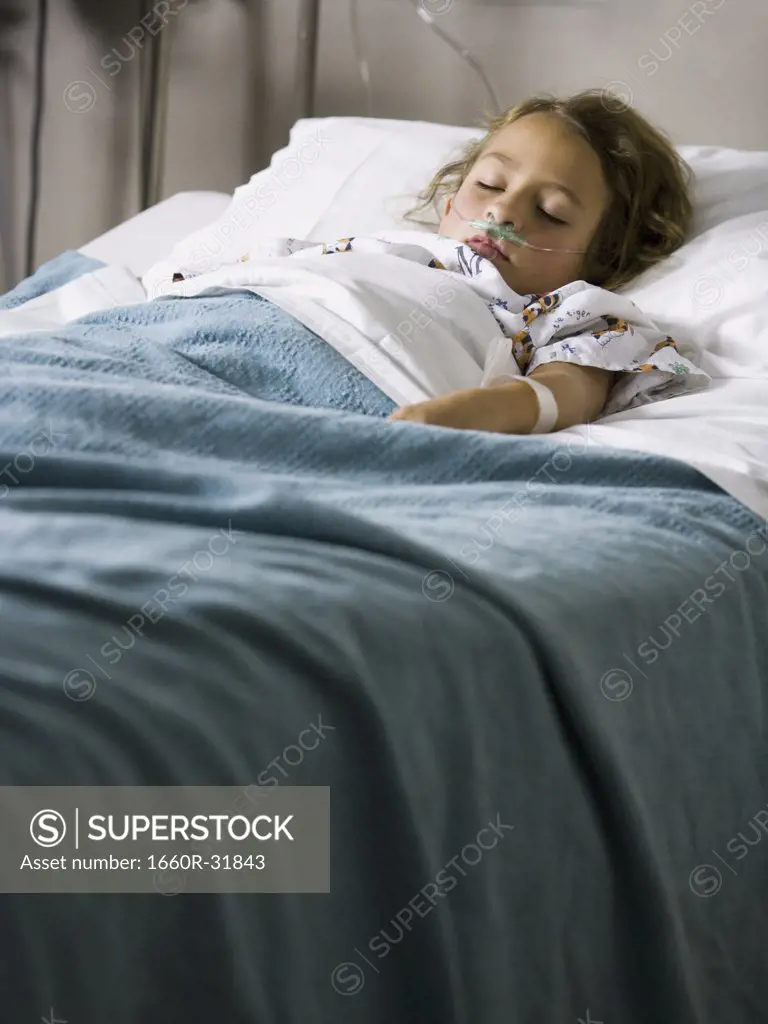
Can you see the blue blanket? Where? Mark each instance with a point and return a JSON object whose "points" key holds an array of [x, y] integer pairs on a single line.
{"points": [[566, 641]]}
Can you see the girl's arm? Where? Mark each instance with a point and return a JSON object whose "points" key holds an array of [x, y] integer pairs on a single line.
{"points": [[580, 391]]}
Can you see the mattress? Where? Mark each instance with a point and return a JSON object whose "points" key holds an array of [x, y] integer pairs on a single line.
{"points": [[148, 237]]}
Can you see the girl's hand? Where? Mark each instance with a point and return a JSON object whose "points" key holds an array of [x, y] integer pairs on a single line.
{"points": [[486, 409], [437, 412]]}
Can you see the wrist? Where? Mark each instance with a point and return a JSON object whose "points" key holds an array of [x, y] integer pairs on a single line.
{"points": [[511, 408]]}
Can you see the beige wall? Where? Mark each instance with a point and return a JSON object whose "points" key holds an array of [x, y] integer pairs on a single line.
{"points": [[711, 85], [232, 98]]}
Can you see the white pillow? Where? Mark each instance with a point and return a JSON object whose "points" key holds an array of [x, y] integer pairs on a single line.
{"points": [[713, 294], [342, 175], [400, 157], [337, 176], [728, 183]]}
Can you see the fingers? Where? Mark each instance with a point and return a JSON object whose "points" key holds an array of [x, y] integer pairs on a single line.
{"points": [[410, 414]]}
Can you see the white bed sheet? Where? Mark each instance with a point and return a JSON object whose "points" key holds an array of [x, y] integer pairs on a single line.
{"points": [[148, 237]]}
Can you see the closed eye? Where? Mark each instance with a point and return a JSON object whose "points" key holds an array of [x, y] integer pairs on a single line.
{"points": [[497, 188], [553, 220]]}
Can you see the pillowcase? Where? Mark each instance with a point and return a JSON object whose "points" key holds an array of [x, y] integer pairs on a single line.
{"points": [[355, 175], [401, 157], [712, 295], [337, 176]]}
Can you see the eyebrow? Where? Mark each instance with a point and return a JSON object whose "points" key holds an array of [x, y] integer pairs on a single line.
{"points": [[555, 184]]}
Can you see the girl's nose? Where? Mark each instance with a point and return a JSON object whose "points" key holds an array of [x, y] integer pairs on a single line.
{"points": [[503, 211]]}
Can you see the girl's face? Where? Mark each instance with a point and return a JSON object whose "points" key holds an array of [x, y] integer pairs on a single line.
{"points": [[547, 181]]}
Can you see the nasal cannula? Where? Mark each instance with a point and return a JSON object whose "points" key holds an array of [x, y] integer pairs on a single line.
{"points": [[508, 234]]}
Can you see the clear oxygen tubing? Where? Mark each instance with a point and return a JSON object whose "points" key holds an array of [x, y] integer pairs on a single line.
{"points": [[507, 233]]}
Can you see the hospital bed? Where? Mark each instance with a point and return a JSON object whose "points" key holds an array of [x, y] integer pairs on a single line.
{"points": [[148, 237], [534, 670]]}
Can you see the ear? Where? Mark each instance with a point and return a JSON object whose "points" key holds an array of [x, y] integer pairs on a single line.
{"points": [[448, 206]]}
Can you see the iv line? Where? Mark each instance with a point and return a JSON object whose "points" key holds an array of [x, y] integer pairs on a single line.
{"points": [[430, 20]]}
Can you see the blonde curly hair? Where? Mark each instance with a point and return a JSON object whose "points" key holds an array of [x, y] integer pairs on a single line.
{"points": [[650, 209]]}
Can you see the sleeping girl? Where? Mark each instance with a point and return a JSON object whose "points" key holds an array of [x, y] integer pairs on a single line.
{"points": [[506, 318]]}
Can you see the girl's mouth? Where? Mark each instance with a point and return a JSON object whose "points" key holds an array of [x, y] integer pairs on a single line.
{"points": [[485, 246]]}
